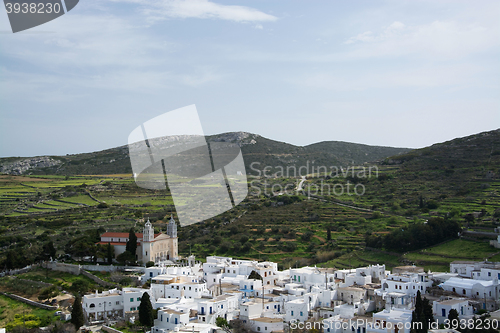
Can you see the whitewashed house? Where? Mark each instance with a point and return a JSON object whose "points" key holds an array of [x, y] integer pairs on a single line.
{"points": [[442, 309], [169, 320]]}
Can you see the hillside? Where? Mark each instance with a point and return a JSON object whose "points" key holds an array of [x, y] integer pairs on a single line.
{"points": [[255, 148], [456, 182], [482, 149]]}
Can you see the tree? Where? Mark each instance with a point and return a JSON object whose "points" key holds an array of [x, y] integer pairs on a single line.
{"points": [[77, 313], [48, 251], [422, 314], [110, 253], [428, 313], [132, 242], [255, 275], [79, 287], [328, 233], [125, 258], [48, 292], [146, 311], [221, 322], [453, 314]]}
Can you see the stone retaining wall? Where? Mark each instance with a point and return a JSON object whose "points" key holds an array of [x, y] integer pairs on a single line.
{"points": [[30, 302]]}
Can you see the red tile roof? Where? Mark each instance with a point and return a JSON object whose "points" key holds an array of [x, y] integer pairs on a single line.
{"points": [[116, 243], [120, 234]]}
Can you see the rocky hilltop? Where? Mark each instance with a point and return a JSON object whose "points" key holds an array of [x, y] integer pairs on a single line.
{"points": [[25, 165], [258, 153]]}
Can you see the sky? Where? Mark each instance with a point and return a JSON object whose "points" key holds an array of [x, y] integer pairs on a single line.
{"points": [[389, 73]]}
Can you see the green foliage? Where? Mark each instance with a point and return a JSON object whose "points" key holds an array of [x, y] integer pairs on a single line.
{"points": [[146, 311], [77, 318], [416, 236], [422, 313], [150, 264], [255, 275], [126, 258], [452, 315], [48, 292], [131, 245], [110, 253], [221, 322], [306, 236], [80, 287]]}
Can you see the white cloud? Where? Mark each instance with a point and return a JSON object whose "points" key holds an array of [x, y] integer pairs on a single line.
{"points": [[438, 39], [202, 9]]}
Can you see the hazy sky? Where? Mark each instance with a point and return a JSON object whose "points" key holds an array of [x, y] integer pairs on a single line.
{"points": [[394, 73]]}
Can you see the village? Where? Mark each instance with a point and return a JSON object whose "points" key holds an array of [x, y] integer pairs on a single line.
{"points": [[195, 296], [190, 297]]}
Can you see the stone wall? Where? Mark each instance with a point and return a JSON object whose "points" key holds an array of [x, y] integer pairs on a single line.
{"points": [[30, 302], [61, 267], [98, 280]]}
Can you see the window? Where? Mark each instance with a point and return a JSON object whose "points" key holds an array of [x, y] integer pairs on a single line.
{"points": [[131, 299], [489, 273], [291, 313], [110, 302], [258, 328], [117, 302], [161, 318], [301, 314], [265, 328], [138, 299]]}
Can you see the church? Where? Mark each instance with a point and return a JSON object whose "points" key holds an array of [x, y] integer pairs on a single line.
{"points": [[150, 246]]}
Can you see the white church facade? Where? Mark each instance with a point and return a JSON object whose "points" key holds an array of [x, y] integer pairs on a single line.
{"points": [[150, 246]]}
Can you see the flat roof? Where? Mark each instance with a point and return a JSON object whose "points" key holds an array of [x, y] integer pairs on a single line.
{"points": [[268, 320]]}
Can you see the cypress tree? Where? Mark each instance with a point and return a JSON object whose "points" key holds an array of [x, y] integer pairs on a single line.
{"points": [[146, 311], [328, 233], [110, 253], [427, 310], [453, 314], [132, 242], [77, 318]]}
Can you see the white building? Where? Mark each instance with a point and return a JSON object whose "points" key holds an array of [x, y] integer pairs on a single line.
{"points": [[389, 321], [150, 246], [169, 320], [442, 309], [112, 303], [478, 289]]}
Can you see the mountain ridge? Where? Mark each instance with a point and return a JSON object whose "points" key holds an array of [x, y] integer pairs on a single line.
{"points": [[255, 148]]}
